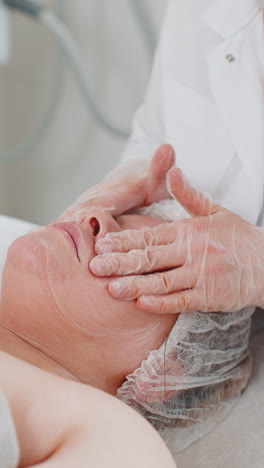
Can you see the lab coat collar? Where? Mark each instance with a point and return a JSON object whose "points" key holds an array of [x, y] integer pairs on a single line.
{"points": [[227, 17]]}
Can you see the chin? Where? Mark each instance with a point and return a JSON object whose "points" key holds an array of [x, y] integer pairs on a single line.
{"points": [[32, 253]]}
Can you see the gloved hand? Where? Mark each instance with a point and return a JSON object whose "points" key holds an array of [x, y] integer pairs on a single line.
{"points": [[211, 262], [130, 185]]}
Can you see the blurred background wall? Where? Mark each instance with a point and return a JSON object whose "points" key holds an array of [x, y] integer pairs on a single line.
{"points": [[75, 153]]}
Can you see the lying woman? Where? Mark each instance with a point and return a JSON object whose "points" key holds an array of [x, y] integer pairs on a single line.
{"points": [[182, 373]]}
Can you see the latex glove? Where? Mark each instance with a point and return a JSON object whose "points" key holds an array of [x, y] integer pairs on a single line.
{"points": [[212, 262], [130, 185]]}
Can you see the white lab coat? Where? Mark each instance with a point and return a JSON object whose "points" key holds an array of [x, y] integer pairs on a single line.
{"points": [[206, 98]]}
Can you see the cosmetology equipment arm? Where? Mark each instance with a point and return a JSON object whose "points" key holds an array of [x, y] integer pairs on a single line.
{"points": [[63, 423], [213, 261], [68, 49]]}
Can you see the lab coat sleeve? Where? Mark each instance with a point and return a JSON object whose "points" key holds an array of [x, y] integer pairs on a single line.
{"points": [[9, 448], [148, 129]]}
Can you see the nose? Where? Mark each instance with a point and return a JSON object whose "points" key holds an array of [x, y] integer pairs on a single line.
{"points": [[101, 223]]}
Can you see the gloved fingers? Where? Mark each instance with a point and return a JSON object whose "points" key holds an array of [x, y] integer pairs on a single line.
{"points": [[139, 261], [194, 201], [184, 301], [162, 162], [125, 241], [157, 284], [130, 185]]}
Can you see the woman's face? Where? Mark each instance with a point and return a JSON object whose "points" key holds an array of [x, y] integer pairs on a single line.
{"points": [[47, 283]]}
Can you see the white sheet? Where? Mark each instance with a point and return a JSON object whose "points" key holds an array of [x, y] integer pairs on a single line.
{"points": [[238, 442], [11, 229]]}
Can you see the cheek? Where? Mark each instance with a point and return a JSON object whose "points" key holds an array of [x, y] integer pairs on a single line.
{"points": [[43, 285], [85, 304], [33, 275], [83, 301]]}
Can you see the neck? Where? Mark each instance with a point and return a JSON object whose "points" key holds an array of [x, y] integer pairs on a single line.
{"points": [[21, 348], [102, 363]]}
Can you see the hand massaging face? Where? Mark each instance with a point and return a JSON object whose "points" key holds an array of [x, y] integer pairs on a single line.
{"points": [[49, 298]]}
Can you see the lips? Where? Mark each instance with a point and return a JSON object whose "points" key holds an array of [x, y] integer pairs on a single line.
{"points": [[72, 233]]}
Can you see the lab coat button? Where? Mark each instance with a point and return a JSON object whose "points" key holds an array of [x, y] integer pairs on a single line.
{"points": [[230, 58]]}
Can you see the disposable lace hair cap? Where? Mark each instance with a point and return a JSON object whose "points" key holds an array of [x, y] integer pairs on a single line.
{"points": [[185, 388]]}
